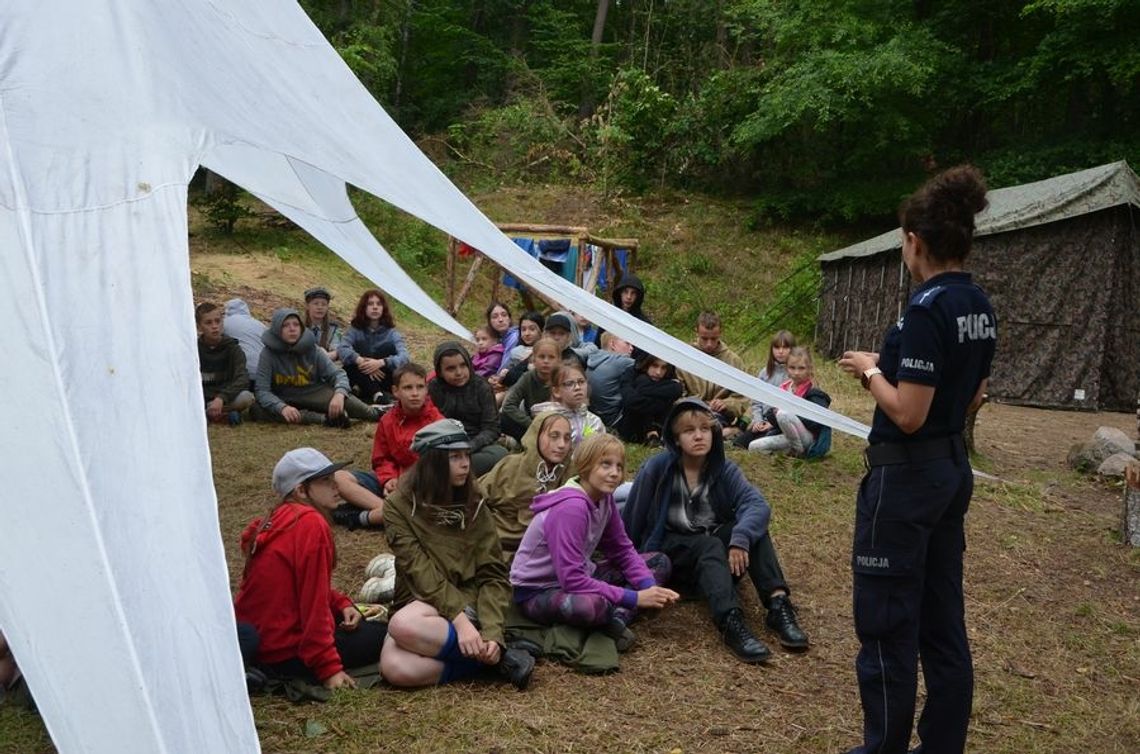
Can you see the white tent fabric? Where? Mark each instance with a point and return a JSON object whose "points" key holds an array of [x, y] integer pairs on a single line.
{"points": [[106, 109]]}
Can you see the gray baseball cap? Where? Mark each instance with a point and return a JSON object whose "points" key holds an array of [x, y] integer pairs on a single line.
{"points": [[301, 465], [445, 434]]}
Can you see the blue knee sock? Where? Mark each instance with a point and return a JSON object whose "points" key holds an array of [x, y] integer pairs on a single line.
{"points": [[456, 667]]}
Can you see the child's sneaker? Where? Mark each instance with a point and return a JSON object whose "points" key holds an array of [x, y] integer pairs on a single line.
{"points": [[620, 633], [234, 418], [516, 666], [341, 422]]}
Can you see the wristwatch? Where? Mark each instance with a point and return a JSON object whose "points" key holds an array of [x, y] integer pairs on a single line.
{"points": [[867, 375]]}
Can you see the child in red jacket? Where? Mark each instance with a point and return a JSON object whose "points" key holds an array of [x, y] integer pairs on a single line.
{"points": [[307, 629], [392, 453]]}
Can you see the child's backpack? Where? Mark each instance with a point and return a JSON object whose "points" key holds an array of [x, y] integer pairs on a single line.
{"points": [[821, 446]]}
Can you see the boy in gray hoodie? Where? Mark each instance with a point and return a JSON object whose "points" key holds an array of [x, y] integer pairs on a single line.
{"points": [[298, 383]]}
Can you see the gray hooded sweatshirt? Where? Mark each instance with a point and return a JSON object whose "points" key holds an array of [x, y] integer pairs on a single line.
{"points": [[242, 327], [285, 370]]}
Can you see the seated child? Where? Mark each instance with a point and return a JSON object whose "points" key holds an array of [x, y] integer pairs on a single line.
{"points": [[499, 321], [239, 324], [648, 393], [694, 505], [532, 388], [587, 332], [569, 397], [327, 331], [554, 575], [373, 349], [306, 629], [222, 364], [510, 487], [794, 435], [452, 589], [489, 352], [298, 383], [775, 373], [606, 369], [530, 330], [392, 454], [461, 394]]}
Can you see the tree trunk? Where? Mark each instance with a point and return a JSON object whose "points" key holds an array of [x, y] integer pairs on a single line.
{"points": [[586, 104]]}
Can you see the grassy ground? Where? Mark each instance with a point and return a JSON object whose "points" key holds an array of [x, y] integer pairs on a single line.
{"points": [[1053, 600]]}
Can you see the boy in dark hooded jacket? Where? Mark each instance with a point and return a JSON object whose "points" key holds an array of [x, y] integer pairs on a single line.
{"points": [[697, 507], [462, 395], [298, 383]]}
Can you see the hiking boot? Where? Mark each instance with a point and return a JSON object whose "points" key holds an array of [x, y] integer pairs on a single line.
{"points": [[255, 680], [516, 666], [346, 515], [525, 645], [620, 633], [738, 637], [782, 619], [341, 422]]}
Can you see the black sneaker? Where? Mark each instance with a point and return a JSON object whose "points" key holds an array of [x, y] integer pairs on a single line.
{"points": [[516, 666], [347, 515], [740, 639], [525, 645], [782, 619], [620, 633], [341, 422]]}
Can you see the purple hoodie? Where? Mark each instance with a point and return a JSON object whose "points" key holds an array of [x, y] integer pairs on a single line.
{"points": [[555, 551]]}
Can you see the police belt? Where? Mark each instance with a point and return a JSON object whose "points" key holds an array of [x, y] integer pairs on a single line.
{"points": [[892, 453]]}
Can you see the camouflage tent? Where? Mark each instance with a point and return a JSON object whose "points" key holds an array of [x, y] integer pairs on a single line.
{"points": [[1060, 259]]}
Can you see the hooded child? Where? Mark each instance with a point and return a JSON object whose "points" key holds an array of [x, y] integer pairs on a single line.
{"points": [[697, 507], [543, 465], [328, 332], [298, 383], [648, 392], [373, 349], [307, 629], [240, 325], [569, 396], [221, 362], [554, 574], [532, 388], [628, 295], [452, 588], [461, 394], [392, 454]]}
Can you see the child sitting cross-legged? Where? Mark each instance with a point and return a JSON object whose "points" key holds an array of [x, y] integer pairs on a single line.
{"points": [[784, 431], [648, 392], [694, 505], [452, 589], [306, 629], [392, 454], [569, 396], [554, 576], [222, 364]]}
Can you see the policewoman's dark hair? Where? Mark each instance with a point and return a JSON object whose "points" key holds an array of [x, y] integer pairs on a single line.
{"points": [[941, 213]]}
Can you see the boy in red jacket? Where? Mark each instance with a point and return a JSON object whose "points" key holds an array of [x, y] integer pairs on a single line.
{"points": [[392, 453]]}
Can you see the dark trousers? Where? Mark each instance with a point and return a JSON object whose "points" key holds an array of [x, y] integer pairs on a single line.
{"points": [[356, 649], [701, 561], [908, 604]]}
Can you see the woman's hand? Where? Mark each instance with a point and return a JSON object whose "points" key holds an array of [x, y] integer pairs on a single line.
{"points": [[656, 596], [857, 362], [339, 681], [351, 618]]}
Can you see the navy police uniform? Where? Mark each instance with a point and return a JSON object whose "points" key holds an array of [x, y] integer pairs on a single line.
{"points": [[909, 535]]}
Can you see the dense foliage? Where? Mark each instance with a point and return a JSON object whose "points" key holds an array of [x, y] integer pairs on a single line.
{"points": [[826, 109]]}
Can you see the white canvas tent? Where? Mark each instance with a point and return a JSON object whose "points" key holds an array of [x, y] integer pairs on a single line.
{"points": [[106, 109]]}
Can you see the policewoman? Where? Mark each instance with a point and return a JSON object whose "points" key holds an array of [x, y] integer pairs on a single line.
{"points": [[909, 536]]}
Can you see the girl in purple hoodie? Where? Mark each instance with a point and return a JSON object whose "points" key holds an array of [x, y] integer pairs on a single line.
{"points": [[554, 578]]}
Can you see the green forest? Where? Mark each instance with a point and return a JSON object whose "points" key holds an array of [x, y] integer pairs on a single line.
{"points": [[821, 111]]}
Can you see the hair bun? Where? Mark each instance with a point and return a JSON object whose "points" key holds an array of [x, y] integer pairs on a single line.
{"points": [[964, 187]]}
